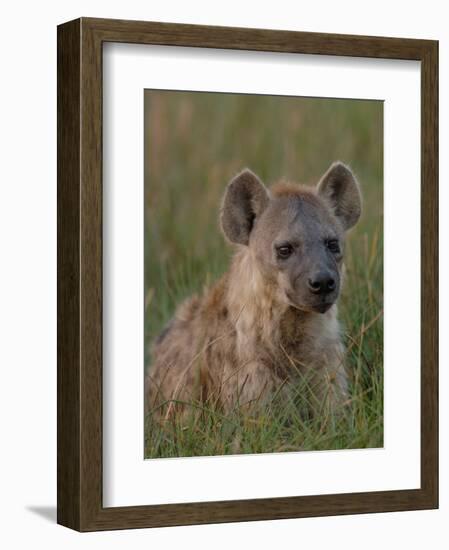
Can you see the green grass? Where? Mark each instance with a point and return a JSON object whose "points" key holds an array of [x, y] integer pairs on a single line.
{"points": [[194, 143]]}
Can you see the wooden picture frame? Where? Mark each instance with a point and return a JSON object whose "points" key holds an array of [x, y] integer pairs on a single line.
{"points": [[80, 503]]}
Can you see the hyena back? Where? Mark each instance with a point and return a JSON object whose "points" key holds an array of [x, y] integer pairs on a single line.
{"points": [[273, 314]]}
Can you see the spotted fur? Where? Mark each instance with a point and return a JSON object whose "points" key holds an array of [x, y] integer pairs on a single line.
{"points": [[245, 337]]}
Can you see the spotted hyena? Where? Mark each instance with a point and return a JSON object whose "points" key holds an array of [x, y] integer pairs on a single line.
{"points": [[273, 315]]}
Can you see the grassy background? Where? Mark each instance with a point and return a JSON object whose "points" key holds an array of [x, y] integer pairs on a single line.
{"points": [[194, 143]]}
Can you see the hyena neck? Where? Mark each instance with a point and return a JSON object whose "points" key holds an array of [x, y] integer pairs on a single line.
{"points": [[253, 305], [263, 321]]}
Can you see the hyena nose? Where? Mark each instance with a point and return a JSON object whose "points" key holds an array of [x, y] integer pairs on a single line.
{"points": [[322, 283]]}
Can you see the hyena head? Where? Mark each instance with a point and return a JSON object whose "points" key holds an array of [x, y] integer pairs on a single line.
{"points": [[295, 234]]}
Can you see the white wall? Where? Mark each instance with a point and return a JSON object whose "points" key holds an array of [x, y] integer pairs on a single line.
{"points": [[28, 271]]}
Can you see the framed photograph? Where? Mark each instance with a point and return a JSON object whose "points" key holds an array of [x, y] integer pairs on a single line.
{"points": [[247, 274]]}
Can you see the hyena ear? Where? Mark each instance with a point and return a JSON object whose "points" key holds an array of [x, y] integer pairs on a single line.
{"points": [[340, 189], [245, 199]]}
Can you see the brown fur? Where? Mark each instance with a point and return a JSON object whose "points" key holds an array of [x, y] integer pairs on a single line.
{"points": [[242, 339]]}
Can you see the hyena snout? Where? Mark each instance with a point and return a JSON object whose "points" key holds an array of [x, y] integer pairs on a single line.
{"points": [[322, 283], [315, 290]]}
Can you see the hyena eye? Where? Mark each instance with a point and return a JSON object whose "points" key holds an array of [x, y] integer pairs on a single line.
{"points": [[333, 245], [284, 251]]}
